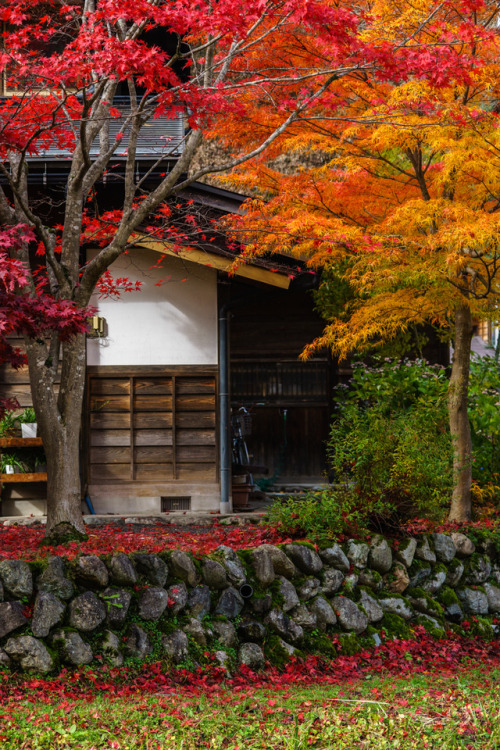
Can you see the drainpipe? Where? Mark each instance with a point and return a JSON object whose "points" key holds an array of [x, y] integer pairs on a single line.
{"points": [[224, 413]]}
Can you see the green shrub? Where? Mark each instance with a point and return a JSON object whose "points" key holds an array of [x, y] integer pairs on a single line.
{"points": [[484, 416], [390, 442], [321, 515]]}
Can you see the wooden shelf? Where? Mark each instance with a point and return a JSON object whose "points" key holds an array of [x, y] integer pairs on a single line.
{"points": [[17, 442], [24, 477]]}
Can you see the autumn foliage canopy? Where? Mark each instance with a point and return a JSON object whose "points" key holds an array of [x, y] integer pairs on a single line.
{"points": [[398, 99]]}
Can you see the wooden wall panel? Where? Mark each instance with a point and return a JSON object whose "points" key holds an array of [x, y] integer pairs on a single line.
{"points": [[146, 425]]}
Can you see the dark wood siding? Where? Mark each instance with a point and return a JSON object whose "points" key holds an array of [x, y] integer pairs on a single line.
{"points": [[289, 400], [155, 425]]}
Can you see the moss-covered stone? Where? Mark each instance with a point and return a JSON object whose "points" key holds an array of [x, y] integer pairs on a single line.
{"points": [[447, 596], [395, 627], [431, 626]]}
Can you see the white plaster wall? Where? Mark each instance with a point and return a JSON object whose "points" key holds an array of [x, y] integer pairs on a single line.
{"points": [[171, 324]]}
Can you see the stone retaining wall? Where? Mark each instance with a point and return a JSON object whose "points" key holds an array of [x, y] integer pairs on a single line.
{"points": [[243, 607]]}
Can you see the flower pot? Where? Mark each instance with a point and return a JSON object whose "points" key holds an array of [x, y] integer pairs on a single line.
{"points": [[241, 493], [28, 429], [9, 469]]}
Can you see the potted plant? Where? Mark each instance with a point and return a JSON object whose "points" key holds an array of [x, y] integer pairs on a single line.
{"points": [[10, 464], [27, 420], [8, 425]]}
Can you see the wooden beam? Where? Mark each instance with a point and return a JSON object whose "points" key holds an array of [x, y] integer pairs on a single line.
{"points": [[211, 260]]}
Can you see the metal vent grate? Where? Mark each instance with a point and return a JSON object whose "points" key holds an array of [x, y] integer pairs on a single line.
{"points": [[175, 503]]}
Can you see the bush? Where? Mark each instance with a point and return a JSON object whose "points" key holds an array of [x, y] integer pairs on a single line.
{"points": [[484, 415], [320, 516], [390, 441]]}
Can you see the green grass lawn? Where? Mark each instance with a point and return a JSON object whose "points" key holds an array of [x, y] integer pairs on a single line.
{"points": [[445, 710]]}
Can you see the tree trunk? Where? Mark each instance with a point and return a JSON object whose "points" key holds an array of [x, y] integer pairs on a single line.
{"points": [[458, 389], [59, 414]]}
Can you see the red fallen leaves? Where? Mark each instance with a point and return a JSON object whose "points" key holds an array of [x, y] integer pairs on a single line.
{"points": [[22, 541], [423, 654]]}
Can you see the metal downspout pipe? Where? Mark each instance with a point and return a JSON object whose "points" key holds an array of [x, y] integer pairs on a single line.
{"points": [[224, 413]]}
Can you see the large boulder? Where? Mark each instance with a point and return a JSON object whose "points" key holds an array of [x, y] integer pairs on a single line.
{"points": [[30, 653], [395, 605], [306, 559], [397, 580], [233, 565], [214, 574], [117, 602], [281, 624], [199, 601], [122, 571], [263, 566], [177, 597], [92, 569], [152, 567], [357, 553], [230, 603], [444, 547], [72, 647], [110, 649], [225, 633], [477, 569], [372, 608], [252, 656], [175, 646], [323, 611], [16, 577], [183, 567], [464, 546], [251, 630], [195, 630], [475, 602], [404, 551], [47, 612], [12, 617], [349, 614], [153, 603], [435, 582], [334, 557], [380, 556], [54, 580], [493, 595], [137, 644], [424, 551], [332, 580], [303, 617], [289, 594], [86, 612], [311, 587]]}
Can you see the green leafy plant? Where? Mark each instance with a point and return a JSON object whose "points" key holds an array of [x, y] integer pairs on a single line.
{"points": [[28, 416], [10, 459], [8, 424]]}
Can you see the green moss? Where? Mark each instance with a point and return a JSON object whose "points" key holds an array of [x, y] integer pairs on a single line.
{"points": [[350, 644], [447, 596], [481, 627], [430, 627], [275, 653], [431, 605], [404, 544], [395, 626], [453, 565], [319, 643]]}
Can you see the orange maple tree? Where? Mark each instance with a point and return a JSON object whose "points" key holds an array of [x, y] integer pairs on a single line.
{"points": [[405, 201]]}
